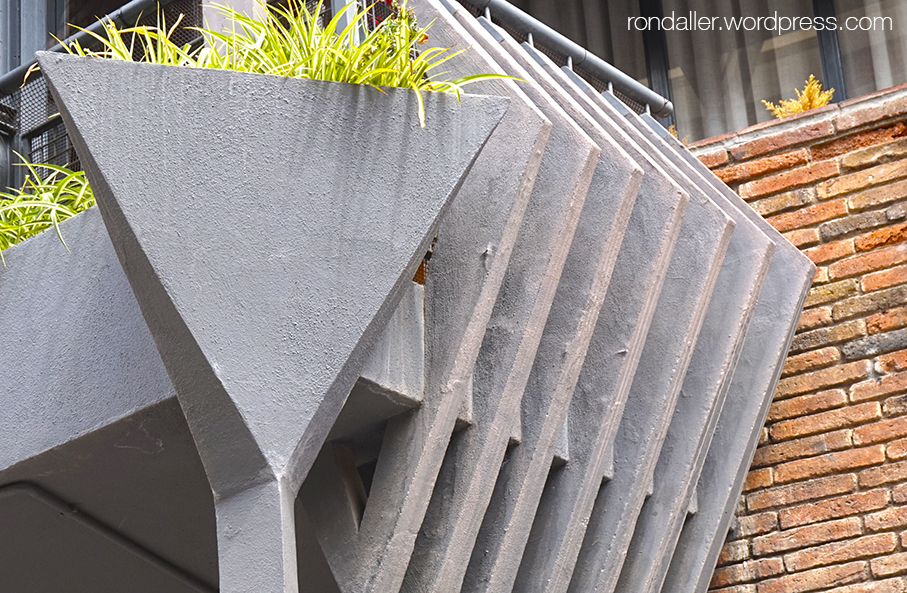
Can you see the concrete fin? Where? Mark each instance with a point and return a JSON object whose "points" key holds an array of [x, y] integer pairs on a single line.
{"points": [[679, 315], [706, 384], [752, 386], [562, 349], [561, 510], [242, 304], [511, 339], [707, 380]]}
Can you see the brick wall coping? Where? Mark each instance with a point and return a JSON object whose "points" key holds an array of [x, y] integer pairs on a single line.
{"points": [[782, 134]]}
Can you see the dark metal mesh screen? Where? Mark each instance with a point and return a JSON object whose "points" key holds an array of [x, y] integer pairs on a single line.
{"points": [[556, 57], [30, 113], [192, 17], [53, 146], [378, 12]]}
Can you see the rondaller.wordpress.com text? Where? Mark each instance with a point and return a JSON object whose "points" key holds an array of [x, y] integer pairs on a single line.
{"points": [[693, 21]]}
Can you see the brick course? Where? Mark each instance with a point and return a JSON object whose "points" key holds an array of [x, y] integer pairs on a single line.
{"points": [[825, 503]]}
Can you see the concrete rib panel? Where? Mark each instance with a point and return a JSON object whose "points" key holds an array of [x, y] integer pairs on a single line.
{"points": [[679, 315], [507, 354], [615, 348], [729, 311], [707, 381], [521, 498], [752, 387], [559, 359], [681, 461]]}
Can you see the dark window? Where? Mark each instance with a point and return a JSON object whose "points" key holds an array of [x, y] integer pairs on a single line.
{"points": [[874, 54]]}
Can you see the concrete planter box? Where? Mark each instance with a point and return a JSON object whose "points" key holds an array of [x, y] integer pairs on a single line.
{"points": [[258, 235]]}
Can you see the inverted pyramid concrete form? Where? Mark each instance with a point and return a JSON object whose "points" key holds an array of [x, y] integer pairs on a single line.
{"points": [[250, 307], [568, 404]]}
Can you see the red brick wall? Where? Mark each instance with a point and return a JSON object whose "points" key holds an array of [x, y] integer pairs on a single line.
{"points": [[825, 504]]}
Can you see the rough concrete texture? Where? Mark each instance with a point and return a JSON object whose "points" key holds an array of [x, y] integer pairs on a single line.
{"points": [[544, 394], [74, 363], [707, 382], [575, 331], [242, 304], [708, 379], [701, 397], [505, 360], [472, 252], [752, 386], [678, 316], [521, 484], [597, 402]]}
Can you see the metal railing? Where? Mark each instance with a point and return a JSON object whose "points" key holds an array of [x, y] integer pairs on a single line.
{"points": [[30, 125], [122, 17], [29, 121], [602, 75]]}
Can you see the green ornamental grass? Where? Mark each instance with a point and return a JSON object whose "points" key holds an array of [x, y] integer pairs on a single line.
{"points": [[290, 41], [49, 195], [284, 41]]}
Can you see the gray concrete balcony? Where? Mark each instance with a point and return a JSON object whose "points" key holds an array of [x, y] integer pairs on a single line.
{"points": [[233, 383]]}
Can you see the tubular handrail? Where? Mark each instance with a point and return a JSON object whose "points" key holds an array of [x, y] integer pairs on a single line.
{"points": [[578, 55], [124, 16]]}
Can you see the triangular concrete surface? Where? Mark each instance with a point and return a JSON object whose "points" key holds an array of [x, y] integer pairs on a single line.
{"points": [[266, 226]]}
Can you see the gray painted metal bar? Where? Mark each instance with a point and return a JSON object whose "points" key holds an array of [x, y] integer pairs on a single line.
{"points": [[125, 16], [513, 16]]}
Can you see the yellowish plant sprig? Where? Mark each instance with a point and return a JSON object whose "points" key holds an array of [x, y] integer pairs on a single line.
{"points": [[672, 130], [811, 97]]}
